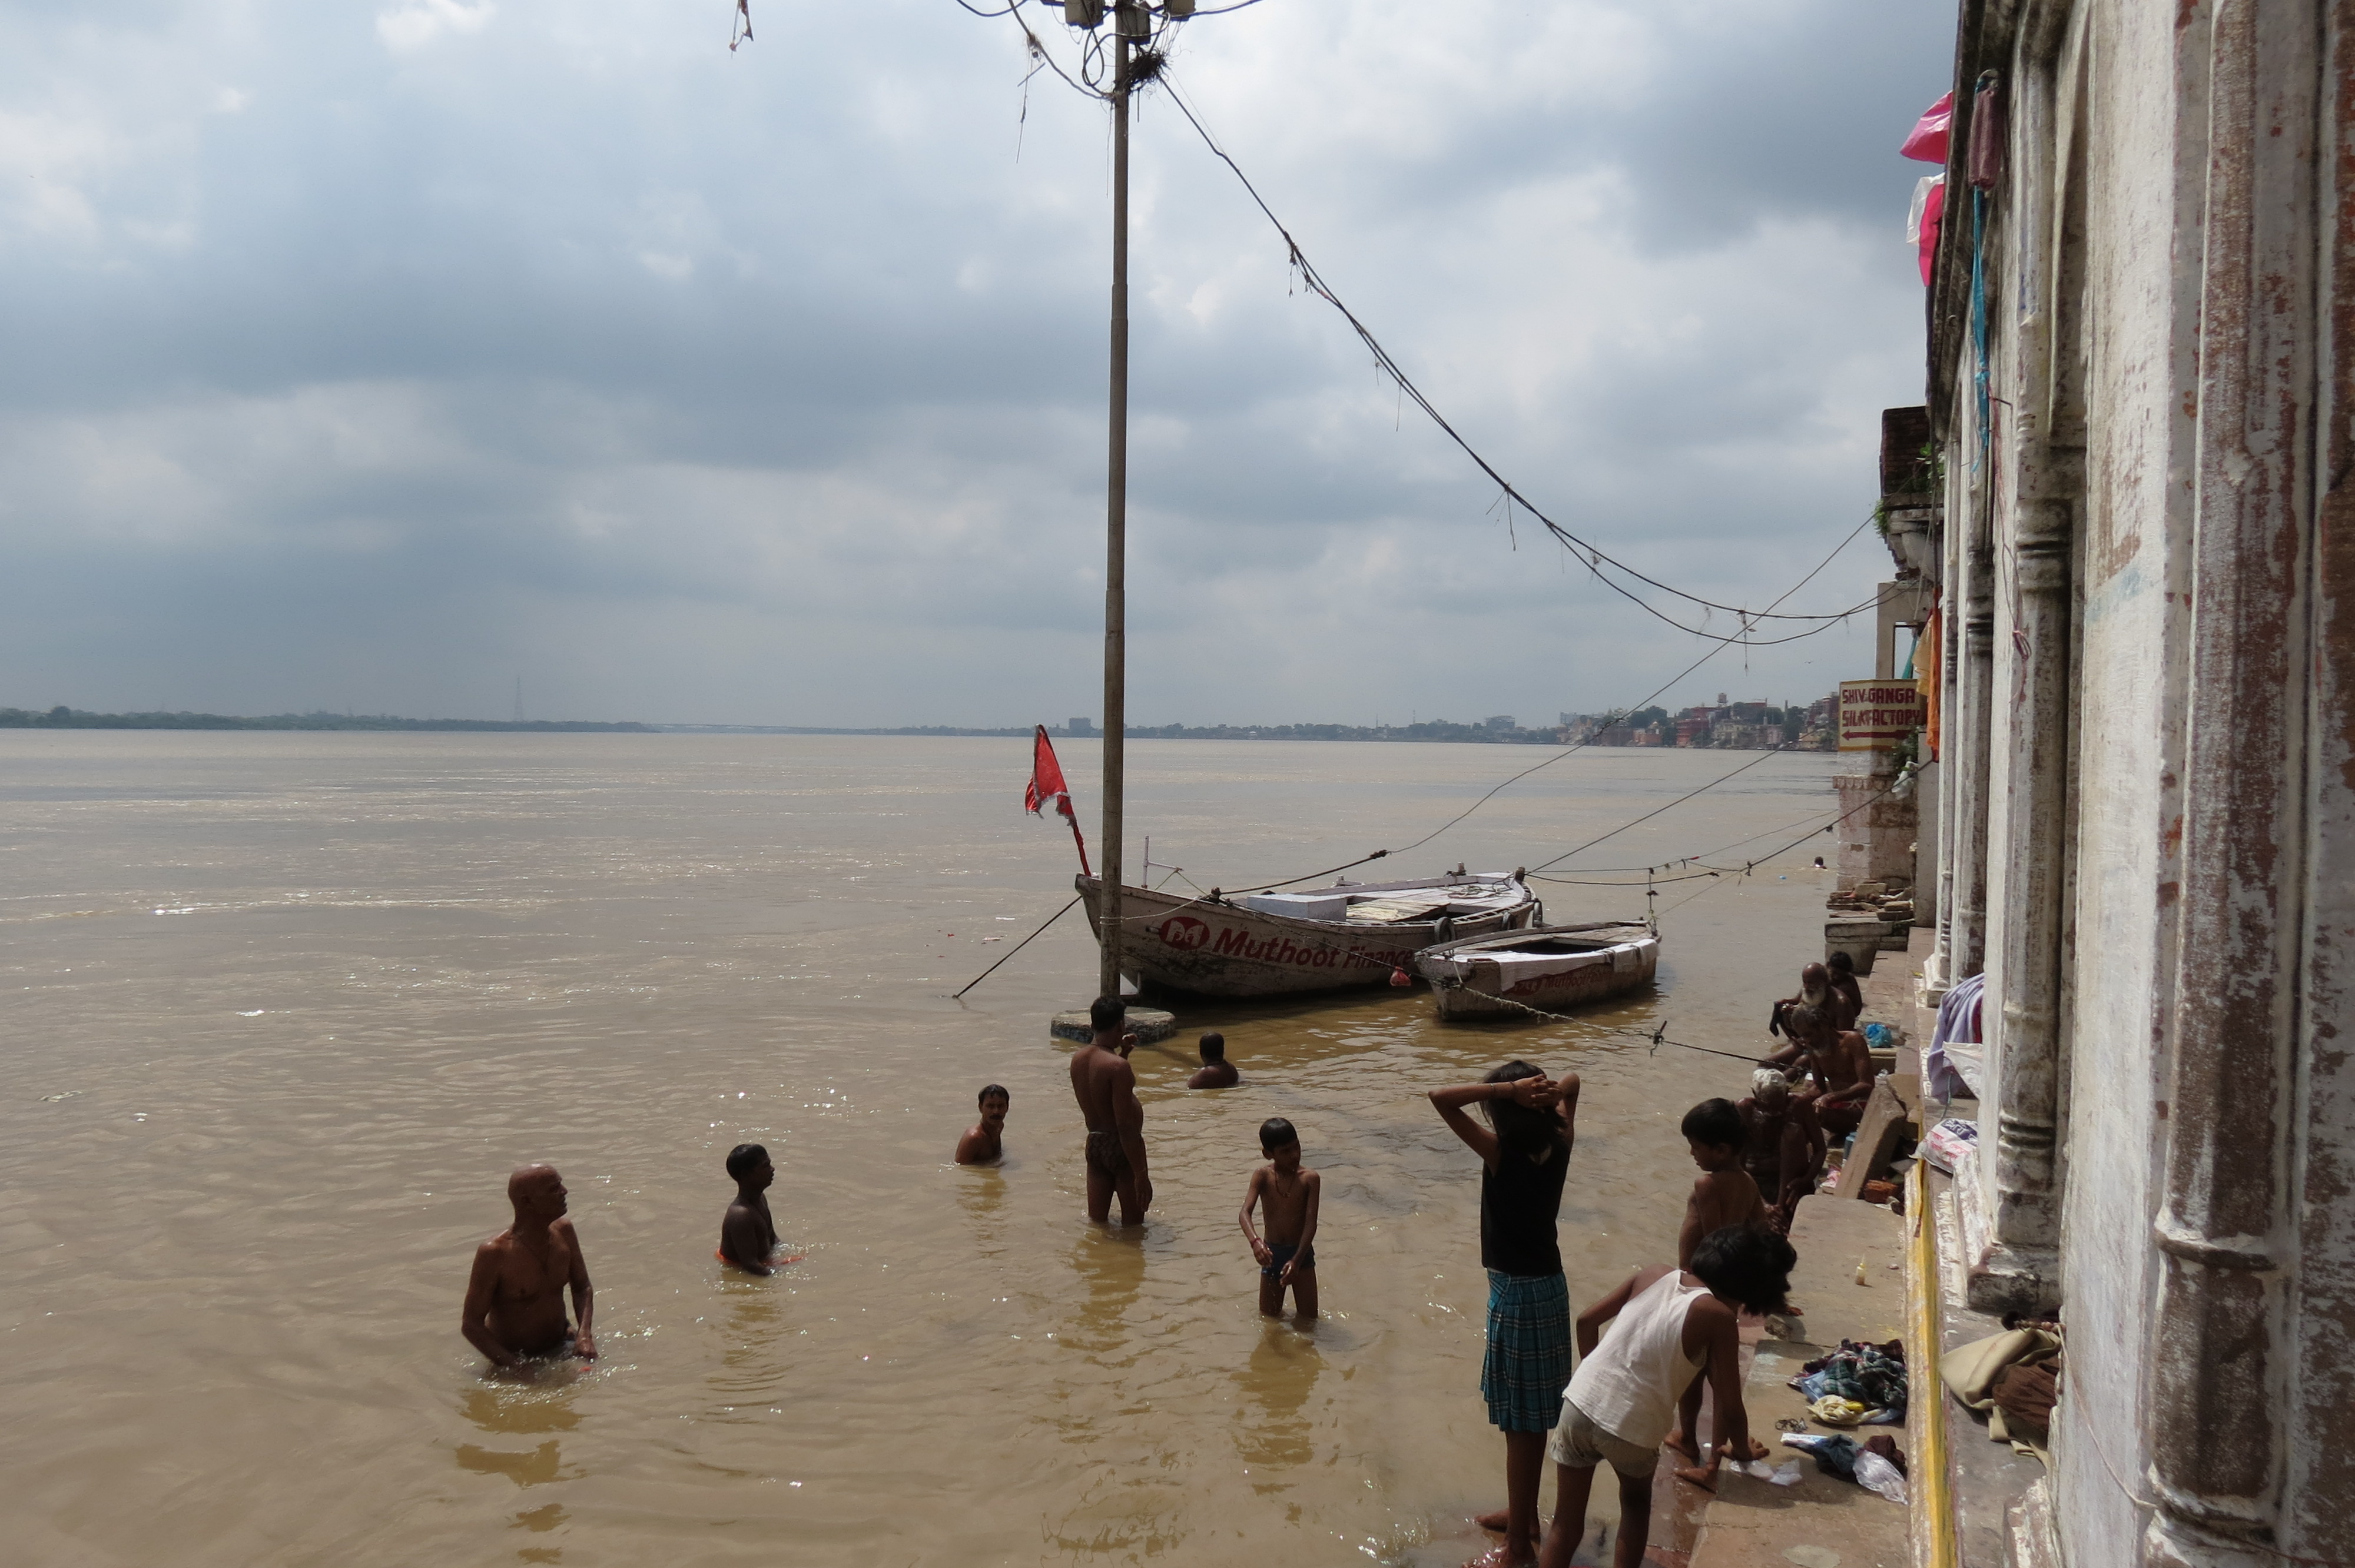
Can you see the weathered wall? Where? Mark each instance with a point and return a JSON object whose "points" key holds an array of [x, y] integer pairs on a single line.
{"points": [[2114, 93], [2164, 506]]}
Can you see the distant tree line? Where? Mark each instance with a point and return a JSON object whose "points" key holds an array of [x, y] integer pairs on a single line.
{"points": [[63, 718]]}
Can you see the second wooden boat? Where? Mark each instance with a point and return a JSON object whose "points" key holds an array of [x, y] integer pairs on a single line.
{"points": [[1545, 968]]}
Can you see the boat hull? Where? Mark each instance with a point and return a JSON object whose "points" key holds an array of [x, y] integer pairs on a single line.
{"points": [[1467, 984], [1223, 949]]}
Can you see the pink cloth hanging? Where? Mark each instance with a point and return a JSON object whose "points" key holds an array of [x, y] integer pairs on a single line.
{"points": [[1927, 141], [1933, 206]]}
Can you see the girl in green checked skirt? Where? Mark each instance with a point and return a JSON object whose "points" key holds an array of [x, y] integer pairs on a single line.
{"points": [[1524, 1154]]}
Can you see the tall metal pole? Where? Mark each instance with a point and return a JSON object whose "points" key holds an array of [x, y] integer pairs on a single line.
{"points": [[1115, 701]]}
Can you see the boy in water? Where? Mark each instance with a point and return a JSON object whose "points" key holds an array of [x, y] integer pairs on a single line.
{"points": [[982, 1143], [1288, 1194], [1724, 1195], [1217, 1072], [1667, 1327], [747, 1237]]}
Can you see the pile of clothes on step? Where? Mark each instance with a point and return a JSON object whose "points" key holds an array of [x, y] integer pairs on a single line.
{"points": [[2015, 1377], [1856, 1385]]}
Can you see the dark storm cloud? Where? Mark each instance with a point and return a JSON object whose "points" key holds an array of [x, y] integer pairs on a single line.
{"points": [[370, 358]]}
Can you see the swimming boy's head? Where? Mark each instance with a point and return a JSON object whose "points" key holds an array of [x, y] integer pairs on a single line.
{"points": [[1214, 1047], [1105, 1014], [1770, 1088], [995, 1102], [536, 1191], [1280, 1141], [1745, 1267], [1712, 1131], [749, 1164], [1519, 1128]]}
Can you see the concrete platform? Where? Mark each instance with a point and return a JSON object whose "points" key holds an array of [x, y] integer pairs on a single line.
{"points": [[1823, 1521], [1149, 1024]]}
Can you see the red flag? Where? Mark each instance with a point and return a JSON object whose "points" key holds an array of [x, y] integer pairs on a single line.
{"points": [[1047, 784]]}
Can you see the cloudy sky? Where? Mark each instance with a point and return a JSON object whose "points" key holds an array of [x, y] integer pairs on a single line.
{"points": [[374, 356]]}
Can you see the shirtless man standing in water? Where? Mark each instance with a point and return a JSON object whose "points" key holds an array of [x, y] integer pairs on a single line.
{"points": [[1105, 1085], [514, 1299]]}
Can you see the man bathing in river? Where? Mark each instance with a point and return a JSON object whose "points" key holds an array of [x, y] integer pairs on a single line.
{"points": [[1217, 1072], [515, 1297], [747, 1237], [983, 1142], [1287, 1194], [1105, 1085], [1666, 1327]]}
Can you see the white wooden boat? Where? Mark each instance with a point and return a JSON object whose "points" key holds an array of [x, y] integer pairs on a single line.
{"points": [[1548, 968], [1326, 938]]}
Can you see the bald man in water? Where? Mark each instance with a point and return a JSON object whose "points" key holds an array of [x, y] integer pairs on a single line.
{"points": [[515, 1299]]}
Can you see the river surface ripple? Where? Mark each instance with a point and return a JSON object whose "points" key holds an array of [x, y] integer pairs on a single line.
{"points": [[284, 1008]]}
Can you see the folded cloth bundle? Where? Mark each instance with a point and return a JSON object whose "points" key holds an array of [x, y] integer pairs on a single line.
{"points": [[2025, 1365]]}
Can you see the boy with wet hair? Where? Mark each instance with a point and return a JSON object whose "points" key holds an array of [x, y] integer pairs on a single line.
{"points": [[1724, 1194], [747, 1237], [1640, 1348], [1217, 1072], [981, 1144], [1287, 1193]]}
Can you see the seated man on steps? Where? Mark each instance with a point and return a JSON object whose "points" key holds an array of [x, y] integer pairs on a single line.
{"points": [[1839, 1063]]}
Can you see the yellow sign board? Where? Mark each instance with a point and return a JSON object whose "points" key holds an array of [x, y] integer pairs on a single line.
{"points": [[1876, 715]]}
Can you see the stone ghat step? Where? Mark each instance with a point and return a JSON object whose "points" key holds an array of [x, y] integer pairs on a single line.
{"points": [[1823, 1521]]}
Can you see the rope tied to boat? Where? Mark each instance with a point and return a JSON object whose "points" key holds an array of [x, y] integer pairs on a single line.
{"points": [[1655, 1037]]}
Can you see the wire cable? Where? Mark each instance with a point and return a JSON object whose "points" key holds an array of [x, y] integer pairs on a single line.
{"points": [[1593, 557]]}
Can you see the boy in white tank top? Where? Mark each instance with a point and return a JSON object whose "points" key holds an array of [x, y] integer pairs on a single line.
{"points": [[1638, 1348]]}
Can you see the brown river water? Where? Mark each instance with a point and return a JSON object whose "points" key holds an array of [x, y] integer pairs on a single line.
{"points": [[284, 1008]]}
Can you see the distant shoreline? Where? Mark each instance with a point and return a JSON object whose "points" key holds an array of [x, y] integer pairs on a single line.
{"points": [[74, 718], [1438, 730]]}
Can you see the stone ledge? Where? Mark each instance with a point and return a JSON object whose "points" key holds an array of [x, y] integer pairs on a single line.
{"points": [[1149, 1024]]}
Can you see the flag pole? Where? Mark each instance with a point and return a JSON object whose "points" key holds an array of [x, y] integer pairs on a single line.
{"points": [[1116, 683]]}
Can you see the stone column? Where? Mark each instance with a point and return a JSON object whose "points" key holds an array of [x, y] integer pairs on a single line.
{"points": [[2222, 1387], [1939, 973], [1974, 712], [2018, 1268]]}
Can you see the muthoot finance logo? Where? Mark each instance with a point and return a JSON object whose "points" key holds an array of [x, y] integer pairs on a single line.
{"points": [[1183, 932]]}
